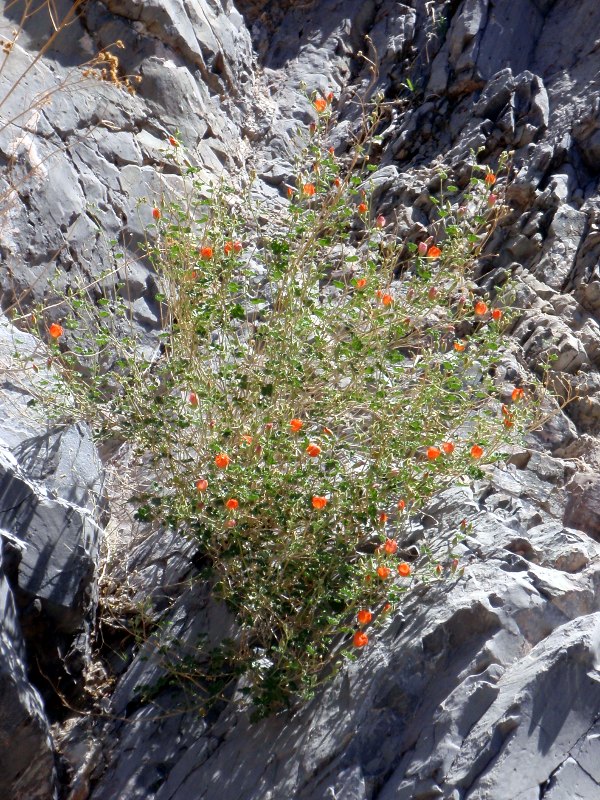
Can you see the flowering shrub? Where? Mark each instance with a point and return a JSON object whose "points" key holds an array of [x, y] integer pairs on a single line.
{"points": [[319, 379]]}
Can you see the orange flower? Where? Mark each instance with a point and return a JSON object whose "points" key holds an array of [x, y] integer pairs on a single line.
{"points": [[193, 399], [459, 346], [497, 314], [363, 208], [156, 213], [364, 617], [247, 438], [313, 450], [506, 411], [337, 182], [237, 246], [222, 460], [438, 569], [387, 299], [401, 505], [228, 248], [55, 330], [331, 151], [490, 178], [517, 394], [320, 104], [361, 283], [390, 546], [330, 97], [290, 191], [232, 503], [433, 453], [476, 451], [206, 252], [480, 308], [309, 189], [383, 572], [508, 422], [386, 608], [383, 518], [173, 141], [319, 502], [202, 484], [403, 569], [360, 639], [327, 431], [380, 221], [434, 252], [296, 424], [448, 448]]}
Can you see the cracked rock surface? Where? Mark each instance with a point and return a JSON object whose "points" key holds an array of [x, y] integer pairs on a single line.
{"points": [[50, 508], [481, 688]]}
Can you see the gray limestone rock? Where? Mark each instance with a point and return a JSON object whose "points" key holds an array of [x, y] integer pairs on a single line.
{"points": [[51, 507], [560, 248], [60, 550], [584, 506], [61, 457], [27, 760]]}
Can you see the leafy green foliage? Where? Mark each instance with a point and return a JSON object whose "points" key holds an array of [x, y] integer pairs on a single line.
{"points": [[319, 379]]}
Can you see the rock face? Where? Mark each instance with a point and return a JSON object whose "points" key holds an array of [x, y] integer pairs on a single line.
{"points": [[28, 765], [50, 506], [483, 688]]}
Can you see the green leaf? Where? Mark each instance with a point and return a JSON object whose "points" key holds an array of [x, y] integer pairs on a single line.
{"points": [[237, 312]]}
